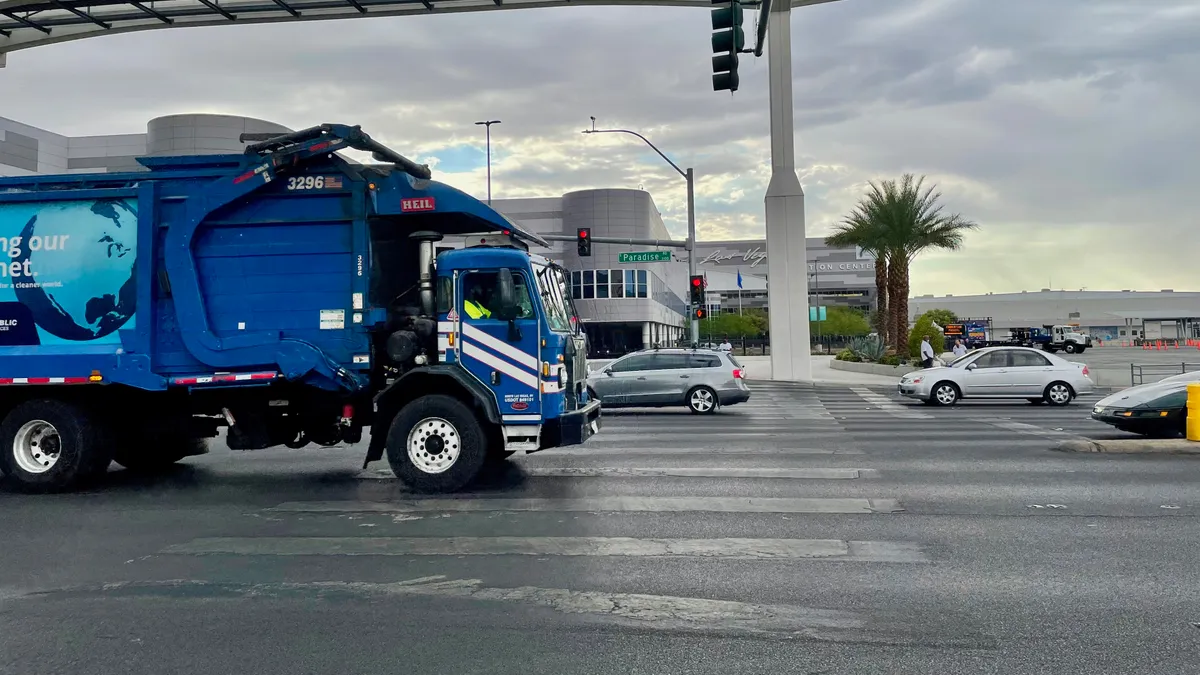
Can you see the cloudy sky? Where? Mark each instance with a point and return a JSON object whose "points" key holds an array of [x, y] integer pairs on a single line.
{"points": [[1067, 128]]}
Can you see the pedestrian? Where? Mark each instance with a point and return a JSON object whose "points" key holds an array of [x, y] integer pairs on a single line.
{"points": [[725, 345], [960, 350], [927, 354]]}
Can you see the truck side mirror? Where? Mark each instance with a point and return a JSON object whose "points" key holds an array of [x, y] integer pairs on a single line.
{"points": [[506, 296]]}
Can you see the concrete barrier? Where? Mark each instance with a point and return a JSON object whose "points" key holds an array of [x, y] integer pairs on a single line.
{"points": [[871, 368], [1174, 446]]}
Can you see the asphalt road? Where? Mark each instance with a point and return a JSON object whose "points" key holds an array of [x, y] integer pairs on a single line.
{"points": [[828, 530]]}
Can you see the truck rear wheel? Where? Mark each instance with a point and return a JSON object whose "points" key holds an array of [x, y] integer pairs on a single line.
{"points": [[436, 444], [50, 446]]}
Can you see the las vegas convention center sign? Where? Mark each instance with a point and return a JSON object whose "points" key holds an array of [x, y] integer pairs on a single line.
{"points": [[753, 257]]}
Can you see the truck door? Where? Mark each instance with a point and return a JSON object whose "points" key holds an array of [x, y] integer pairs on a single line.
{"points": [[501, 354]]}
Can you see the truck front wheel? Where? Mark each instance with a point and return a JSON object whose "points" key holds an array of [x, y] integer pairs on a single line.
{"points": [[50, 446], [436, 444]]}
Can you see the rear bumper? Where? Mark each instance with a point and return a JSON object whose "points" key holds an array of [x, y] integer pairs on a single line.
{"points": [[734, 396], [572, 428]]}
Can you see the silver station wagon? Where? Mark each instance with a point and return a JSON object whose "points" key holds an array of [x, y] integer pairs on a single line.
{"points": [[701, 379]]}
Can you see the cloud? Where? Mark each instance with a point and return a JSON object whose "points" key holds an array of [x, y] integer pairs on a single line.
{"points": [[1067, 128]]}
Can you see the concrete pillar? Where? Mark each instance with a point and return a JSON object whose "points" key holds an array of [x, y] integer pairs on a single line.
{"points": [[646, 336], [787, 287]]}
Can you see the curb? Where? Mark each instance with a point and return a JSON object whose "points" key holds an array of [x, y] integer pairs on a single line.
{"points": [[1130, 446]]}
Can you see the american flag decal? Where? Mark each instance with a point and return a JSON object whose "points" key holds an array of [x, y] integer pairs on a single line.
{"points": [[333, 182]]}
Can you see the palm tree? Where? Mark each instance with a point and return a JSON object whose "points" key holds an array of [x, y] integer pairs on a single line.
{"points": [[904, 219], [862, 230]]}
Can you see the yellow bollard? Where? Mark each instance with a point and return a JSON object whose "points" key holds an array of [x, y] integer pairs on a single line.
{"points": [[1193, 411]]}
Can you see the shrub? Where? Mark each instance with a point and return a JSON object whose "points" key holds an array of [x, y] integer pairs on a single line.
{"points": [[869, 348], [890, 360], [847, 355]]}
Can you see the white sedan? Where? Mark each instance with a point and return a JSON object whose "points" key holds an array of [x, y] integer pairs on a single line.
{"points": [[1000, 372]]}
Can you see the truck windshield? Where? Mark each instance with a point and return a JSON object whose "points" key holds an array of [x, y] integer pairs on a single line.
{"points": [[558, 313]]}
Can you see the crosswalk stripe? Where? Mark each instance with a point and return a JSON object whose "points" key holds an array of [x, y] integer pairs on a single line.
{"points": [[682, 472], [732, 548], [890, 407], [591, 450], [664, 612], [1023, 428], [608, 504]]}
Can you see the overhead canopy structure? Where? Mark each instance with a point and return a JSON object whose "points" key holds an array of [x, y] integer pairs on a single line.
{"points": [[32, 23]]}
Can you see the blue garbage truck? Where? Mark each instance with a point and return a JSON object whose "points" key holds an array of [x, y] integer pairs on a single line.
{"points": [[284, 296]]}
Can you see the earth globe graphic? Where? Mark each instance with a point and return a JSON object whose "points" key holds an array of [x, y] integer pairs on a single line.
{"points": [[81, 256]]}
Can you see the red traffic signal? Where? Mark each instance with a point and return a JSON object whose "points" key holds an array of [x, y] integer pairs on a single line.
{"points": [[696, 292], [700, 313], [583, 241]]}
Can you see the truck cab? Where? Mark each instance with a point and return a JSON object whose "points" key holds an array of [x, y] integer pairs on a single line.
{"points": [[507, 319], [1068, 339]]}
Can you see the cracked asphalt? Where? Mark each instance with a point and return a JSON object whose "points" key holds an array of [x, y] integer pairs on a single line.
{"points": [[826, 530]]}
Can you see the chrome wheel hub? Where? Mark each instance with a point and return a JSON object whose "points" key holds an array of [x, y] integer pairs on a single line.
{"points": [[434, 445], [36, 446]]}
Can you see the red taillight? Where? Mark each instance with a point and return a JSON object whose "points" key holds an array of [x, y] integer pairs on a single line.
{"points": [[348, 411], [1085, 371], [738, 374]]}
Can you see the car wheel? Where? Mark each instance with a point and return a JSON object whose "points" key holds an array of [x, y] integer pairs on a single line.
{"points": [[702, 401], [945, 393], [1058, 394], [1070, 348]]}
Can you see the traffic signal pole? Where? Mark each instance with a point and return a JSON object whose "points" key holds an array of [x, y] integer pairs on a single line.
{"points": [[691, 246], [689, 176]]}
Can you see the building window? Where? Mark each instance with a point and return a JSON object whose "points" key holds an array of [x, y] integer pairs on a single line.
{"points": [[576, 285], [589, 284], [630, 284], [643, 284], [602, 283], [618, 285]]}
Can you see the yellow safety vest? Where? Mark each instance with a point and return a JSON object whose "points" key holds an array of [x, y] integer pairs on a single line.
{"points": [[476, 310]]}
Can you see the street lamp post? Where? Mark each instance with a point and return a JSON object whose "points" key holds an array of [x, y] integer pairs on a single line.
{"points": [[688, 176], [488, 125]]}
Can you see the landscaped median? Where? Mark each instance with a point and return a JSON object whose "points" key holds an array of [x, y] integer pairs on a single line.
{"points": [[1130, 446]]}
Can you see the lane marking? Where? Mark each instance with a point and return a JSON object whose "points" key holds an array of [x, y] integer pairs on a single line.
{"points": [[889, 406], [733, 549], [608, 504]]}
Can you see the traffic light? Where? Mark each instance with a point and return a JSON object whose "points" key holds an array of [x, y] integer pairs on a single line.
{"points": [[696, 290], [583, 241], [700, 313], [727, 40]]}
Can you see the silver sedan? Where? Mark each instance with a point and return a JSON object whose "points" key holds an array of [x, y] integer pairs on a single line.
{"points": [[1001, 372]]}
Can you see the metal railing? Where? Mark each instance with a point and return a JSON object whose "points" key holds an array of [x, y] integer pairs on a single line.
{"points": [[1138, 373]]}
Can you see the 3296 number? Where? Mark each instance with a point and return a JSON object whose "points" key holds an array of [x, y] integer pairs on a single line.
{"points": [[306, 182]]}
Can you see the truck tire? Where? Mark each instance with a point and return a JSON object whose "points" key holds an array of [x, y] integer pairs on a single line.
{"points": [[157, 454], [1071, 348], [436, 444], [52, 446]]}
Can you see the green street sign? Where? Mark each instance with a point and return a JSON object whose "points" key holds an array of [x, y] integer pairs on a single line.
{"points": [[644, 256]]}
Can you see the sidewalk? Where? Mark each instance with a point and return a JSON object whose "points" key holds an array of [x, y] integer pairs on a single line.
{"points": [[759, 368]]}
